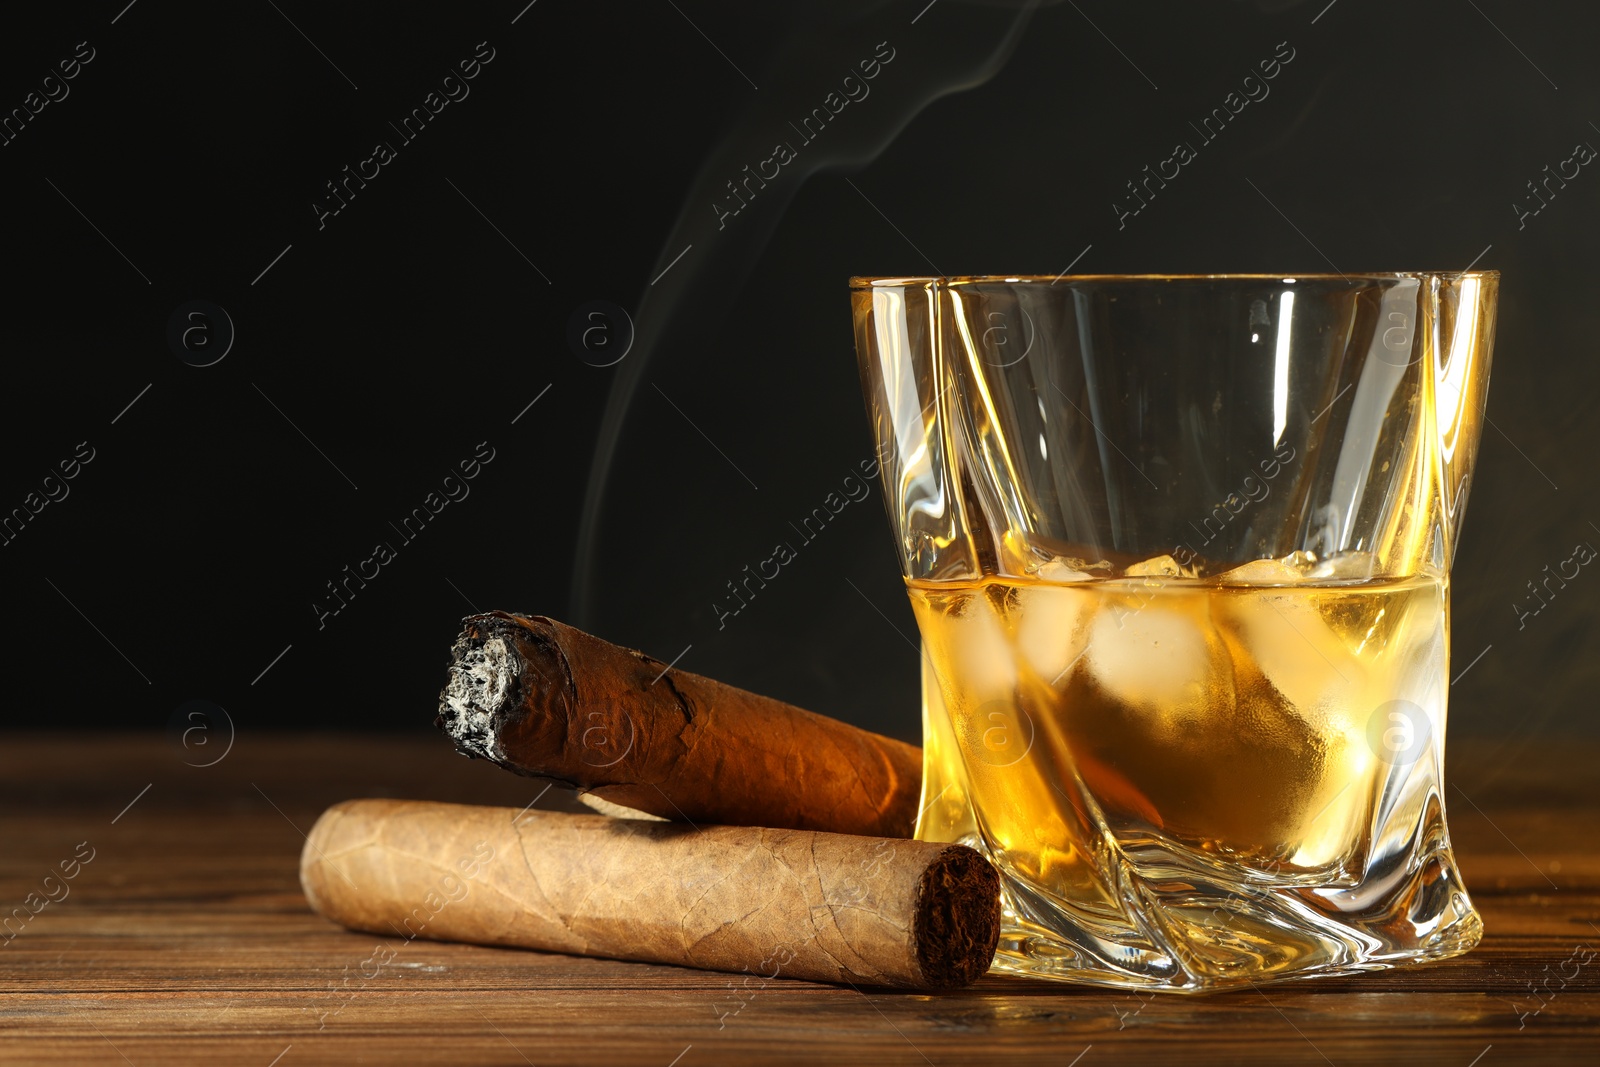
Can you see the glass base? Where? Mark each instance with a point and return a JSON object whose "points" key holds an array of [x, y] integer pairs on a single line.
{"points": [[1184, 929]]}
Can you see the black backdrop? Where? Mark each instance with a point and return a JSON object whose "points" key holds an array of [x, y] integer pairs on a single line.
{"points": [[585, 160]]}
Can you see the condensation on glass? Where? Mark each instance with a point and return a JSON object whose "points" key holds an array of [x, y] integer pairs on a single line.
{"points": [[1179, 549]]}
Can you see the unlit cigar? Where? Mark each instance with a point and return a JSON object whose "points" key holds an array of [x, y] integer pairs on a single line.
{"points": [[544, 699], [774, 903]]}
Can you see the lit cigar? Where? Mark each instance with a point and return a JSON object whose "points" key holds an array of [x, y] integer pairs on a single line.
{"points": [[774, 903], [544, 699]]}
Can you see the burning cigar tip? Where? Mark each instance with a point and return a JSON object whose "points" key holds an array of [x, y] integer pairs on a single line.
{"points": [[490, 681], [482, 673]]}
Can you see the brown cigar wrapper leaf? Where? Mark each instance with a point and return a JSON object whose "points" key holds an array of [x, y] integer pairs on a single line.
{"points": [[773, 903], [543, 699]]}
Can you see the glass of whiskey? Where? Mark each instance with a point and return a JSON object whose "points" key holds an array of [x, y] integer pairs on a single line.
{"points": [[1179, 549]]}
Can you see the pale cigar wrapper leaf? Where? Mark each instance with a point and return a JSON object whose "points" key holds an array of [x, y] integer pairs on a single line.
{"points": [[774, 903]]}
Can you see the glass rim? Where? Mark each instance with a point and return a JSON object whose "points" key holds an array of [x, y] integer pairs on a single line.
{"points": [[872, 281]]}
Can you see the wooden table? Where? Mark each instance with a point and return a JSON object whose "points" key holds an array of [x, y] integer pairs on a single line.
{"points": [[185, 939]]}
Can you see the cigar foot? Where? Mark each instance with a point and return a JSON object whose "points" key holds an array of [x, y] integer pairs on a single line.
{"points": [[954, 940]]}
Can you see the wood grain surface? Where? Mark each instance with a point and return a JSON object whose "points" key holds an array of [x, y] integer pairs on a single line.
{"points": [[185, 940]]}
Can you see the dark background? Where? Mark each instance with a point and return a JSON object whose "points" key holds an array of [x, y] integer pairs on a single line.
{"points": [[379, 350]]}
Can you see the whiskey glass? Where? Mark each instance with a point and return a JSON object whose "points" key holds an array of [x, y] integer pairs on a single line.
{"points": [[1179, 550]]}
